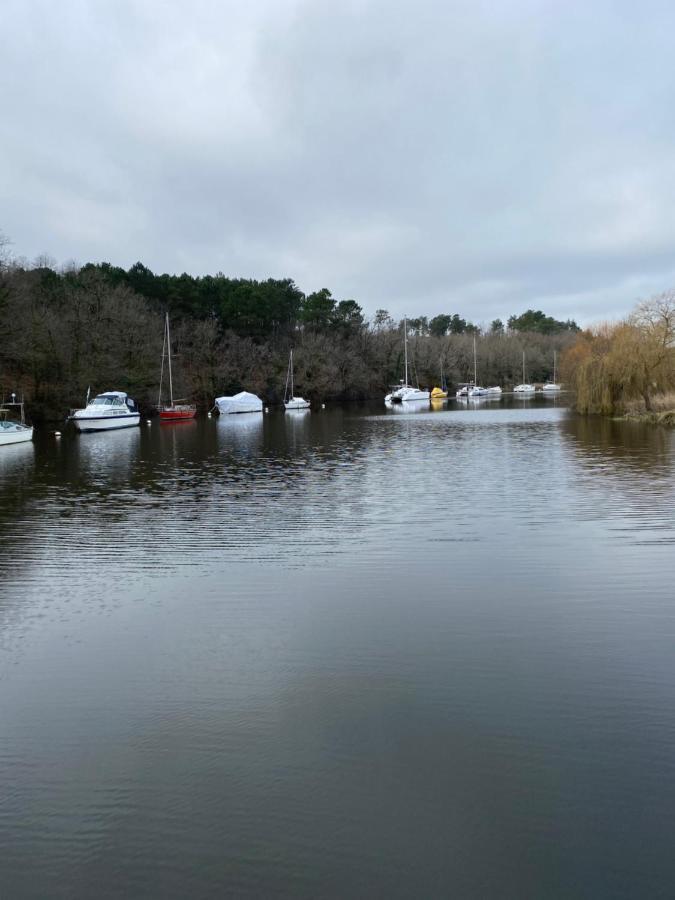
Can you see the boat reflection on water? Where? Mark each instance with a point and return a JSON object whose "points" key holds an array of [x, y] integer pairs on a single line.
{"points": [[298, 414], [477, 401], [408, 406], [102, 454], [16, 459], [553, 398], [242, 432]]}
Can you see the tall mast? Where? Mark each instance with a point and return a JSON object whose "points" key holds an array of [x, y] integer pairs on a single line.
{"points": [[291, 367], [475, 370], [523, 367], [405, 346], [168, 349], [554, 378], [161, 372]]}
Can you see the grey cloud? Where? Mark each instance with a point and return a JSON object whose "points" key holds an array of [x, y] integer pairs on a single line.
{"points": [[424, 156]]}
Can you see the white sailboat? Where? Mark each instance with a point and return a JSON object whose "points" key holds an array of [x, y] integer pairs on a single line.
{"points": [[290, 400], [524, 388], [552, 386], [476, 390], [406, 392], [14, 432]]}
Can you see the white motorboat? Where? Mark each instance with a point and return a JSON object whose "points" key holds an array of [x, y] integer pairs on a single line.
{"points": [[494, 390], [525, 387], [552, 386], [406, 392], [477, 391], [243, 402], [14, 432], [290, 400], [463, 392], [114, 409]]}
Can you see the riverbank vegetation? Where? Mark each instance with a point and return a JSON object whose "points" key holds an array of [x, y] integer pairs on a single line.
{"points": [[65, 329], [627, 368]]}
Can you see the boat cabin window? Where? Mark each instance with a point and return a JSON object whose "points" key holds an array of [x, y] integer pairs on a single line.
{"points": [[107, 401]]}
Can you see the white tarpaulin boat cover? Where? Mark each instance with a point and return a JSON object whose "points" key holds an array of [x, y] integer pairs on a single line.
{"points": [[240, 403]]}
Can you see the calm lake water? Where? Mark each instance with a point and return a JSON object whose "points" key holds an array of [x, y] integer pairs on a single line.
{"points": [[348, 653]]}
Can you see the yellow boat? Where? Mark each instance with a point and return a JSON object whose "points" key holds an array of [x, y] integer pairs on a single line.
{"points": [[438, 394]]}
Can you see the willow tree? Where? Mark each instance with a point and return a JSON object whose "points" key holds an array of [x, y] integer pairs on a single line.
{"points": [[650, 346], [635, 359]]}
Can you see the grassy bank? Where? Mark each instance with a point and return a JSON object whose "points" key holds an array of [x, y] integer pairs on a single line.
{"points": [[662, 412]]}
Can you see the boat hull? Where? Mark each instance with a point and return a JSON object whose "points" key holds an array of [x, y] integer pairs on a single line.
{"points": [[15, 437], [105, 423], [297, 403], [229, 408], [174, 414], [414, 396]]}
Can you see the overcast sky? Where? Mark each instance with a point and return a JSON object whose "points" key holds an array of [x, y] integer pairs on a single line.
{"points": [[424, 156]]}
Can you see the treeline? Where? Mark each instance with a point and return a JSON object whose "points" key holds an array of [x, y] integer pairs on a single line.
{"points": [[628, 365], [62, 331]]}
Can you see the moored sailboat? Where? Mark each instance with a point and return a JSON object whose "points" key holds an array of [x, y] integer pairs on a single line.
{"points": [[440, 393], [552, 386], [290, 400], [174, 411], [476, 390], [406, 392], [525, 387]]}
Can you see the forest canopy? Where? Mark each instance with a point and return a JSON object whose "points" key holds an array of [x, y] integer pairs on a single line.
{"points": [[100, 326]]}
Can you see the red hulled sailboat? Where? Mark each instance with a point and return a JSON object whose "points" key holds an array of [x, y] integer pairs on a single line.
{"points": [[174, 411]]}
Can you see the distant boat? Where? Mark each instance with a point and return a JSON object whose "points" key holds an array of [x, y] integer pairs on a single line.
{"points": [[113, 409], [552, 386], [13, 432], [243, 402], [442, 392], [475, 390], [290, 400], [406, 392], [494, 390], [173, 412], [524, 388]]}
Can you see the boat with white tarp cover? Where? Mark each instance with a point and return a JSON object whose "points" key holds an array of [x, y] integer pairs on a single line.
{"points": [[243, 402]]}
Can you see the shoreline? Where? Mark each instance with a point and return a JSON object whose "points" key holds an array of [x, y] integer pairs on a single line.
{"points": [[666, 418]]}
